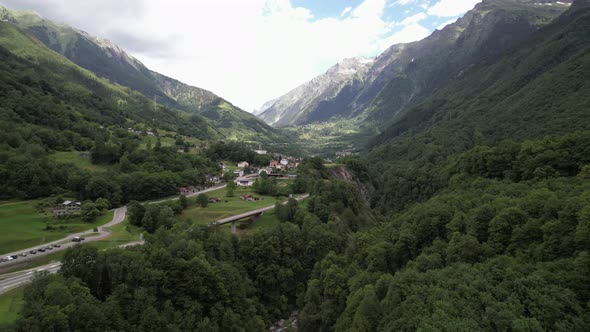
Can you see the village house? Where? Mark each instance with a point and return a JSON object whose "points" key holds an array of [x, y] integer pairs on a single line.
{"points": [[284, 162], [250, 198], [187, 190], [244, 182], [67, 208], [238, 173], [214, 200], [243, 164], [273, 163], [261, 151], [267, 170]]}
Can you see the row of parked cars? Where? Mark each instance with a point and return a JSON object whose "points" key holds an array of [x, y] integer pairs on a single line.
{"points": [[32, 252], [35, 251]]}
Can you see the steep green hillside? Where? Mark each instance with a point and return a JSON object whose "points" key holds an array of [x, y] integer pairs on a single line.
{"points": [[43, 88], [538, 90], [49, 104], [109, 61]]}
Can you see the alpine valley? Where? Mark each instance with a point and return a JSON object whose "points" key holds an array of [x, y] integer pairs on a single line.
{"points": [[443, 185], [358, 98]]}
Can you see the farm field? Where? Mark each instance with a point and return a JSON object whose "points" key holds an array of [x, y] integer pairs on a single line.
{"points": [[23, 226], [79, 159], [152, 140]]}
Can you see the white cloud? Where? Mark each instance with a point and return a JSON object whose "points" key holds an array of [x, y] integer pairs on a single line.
{"points": [[408, 34], [404, 2], [448, 8], [346, 11], [414, 19], [245, 51]]}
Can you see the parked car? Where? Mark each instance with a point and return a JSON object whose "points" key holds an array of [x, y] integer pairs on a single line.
{"points": [[14, 256], [23, 254], [77, 239], [42, 250], [49, 248], [56, 245], [33, 252]]}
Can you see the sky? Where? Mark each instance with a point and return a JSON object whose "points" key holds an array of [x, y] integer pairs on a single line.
{"points": [[250, 51]]}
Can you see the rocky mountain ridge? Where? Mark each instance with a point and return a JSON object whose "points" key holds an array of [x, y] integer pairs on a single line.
{"points": [[406, 73]]}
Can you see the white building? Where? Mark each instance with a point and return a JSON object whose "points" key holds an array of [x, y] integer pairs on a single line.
{"points": [[67, 208], [244, 182]]}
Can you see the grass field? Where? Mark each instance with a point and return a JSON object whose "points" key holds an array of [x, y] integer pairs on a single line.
{"points": [[233, 206], [165, 141], [22, 226], [10, 304], [121, 234], [79, 159]]}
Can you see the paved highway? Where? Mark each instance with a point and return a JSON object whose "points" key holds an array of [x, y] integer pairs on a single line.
{"points": [[17, 279], [14, 280]]}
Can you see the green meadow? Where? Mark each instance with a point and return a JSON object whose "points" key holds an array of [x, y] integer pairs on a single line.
{"points": [[79, 159], [23, 226], [229, 206], [121, 234], [10, 305]]}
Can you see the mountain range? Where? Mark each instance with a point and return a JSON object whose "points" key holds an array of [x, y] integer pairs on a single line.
{"points": [[373, 93], [107, 60]]}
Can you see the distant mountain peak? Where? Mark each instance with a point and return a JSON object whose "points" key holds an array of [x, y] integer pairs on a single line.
{"points": [[375, 90], [350, 66]]}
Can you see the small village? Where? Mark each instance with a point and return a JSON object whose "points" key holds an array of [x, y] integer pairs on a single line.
{"points": [[245, 174]]}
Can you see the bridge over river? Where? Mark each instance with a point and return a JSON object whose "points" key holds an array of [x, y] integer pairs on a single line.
{"points": [[249, 214]]}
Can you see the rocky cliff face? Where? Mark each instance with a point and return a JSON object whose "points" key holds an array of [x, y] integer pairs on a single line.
{"points": [[375, 91], [367, 190]]}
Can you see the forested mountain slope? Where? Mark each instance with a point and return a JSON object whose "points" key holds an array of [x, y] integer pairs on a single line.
{"points": [[486, 185], [108, 60], [48, 104], [40, 87], [538, 89]]}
